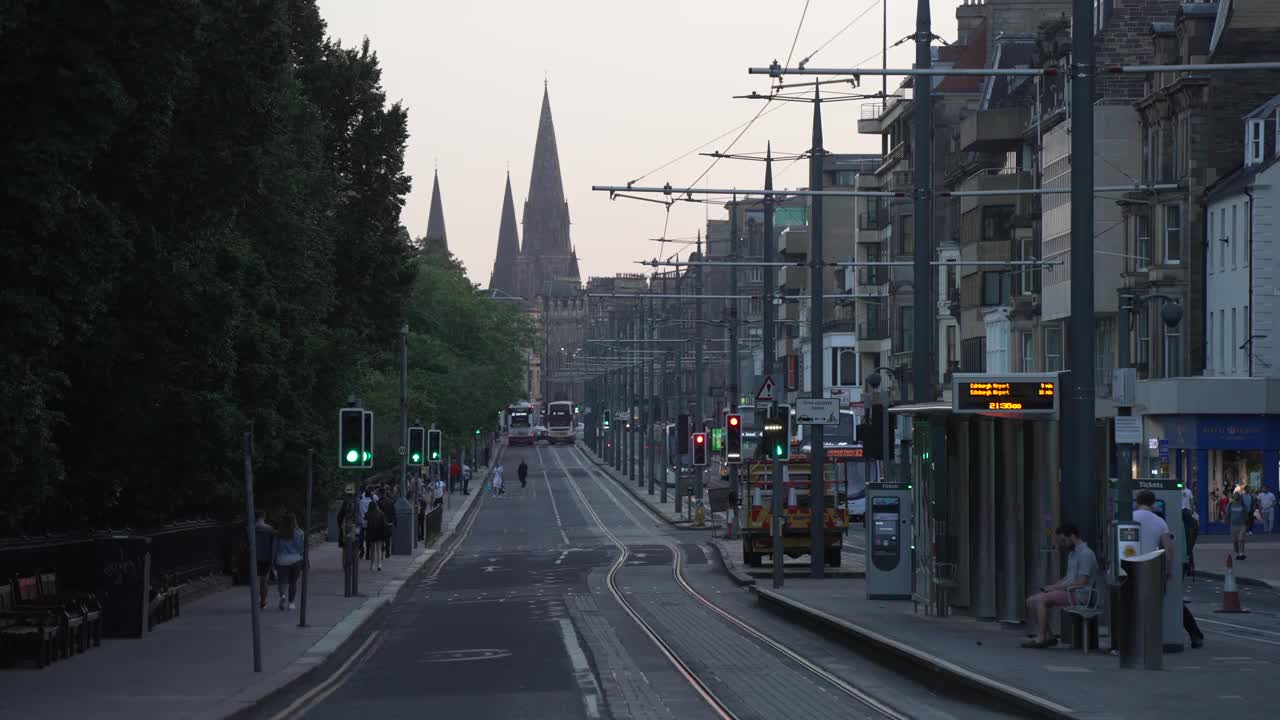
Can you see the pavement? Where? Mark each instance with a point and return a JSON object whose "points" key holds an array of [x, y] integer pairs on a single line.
{"points": [[986, 657], [200, 665], [1261, 567]]}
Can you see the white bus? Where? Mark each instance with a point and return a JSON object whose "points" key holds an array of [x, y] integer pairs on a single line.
{"points": [[520, 424], [560, 422]]}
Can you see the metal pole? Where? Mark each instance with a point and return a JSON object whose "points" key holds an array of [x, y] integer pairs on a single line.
{"points": [[769, 365], [922, 281], [734, 372], [699, 370], [682, 408], [1079, 476], [250, 524], [641, 430], [666, 418], [306, 546], [817, 457], [650, 392], [404, 432], [1124, 457]]}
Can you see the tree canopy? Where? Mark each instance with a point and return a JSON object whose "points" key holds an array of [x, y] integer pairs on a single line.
{"points": [[202, 235]]}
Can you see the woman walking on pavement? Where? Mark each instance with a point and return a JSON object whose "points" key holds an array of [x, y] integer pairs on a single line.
{"points": [[497, 481], [290, 541], [523, 473]]}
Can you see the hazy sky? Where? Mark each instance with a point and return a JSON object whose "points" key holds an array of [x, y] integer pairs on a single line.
{"points": [[633, 85]]}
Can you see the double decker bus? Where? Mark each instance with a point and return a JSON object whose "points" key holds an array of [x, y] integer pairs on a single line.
{"points": [[519, 424], [560, 422]]}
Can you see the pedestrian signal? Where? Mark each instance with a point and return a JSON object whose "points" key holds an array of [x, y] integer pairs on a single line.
{"points": [[733, 439], [699, 448], [417, 446]]}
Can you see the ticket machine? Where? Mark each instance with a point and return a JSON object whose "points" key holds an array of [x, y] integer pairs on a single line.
{"points": [[1168, 505], [888, 526]]}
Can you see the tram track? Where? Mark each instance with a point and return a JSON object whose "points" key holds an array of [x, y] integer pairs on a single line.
{"points": [[701, 687]]}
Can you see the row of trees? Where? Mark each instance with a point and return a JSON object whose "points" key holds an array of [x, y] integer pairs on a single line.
{"points": [[201, 235]]}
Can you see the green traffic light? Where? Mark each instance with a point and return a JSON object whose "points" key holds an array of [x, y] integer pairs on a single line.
{"points": [[353, 455], [777, 450], [367, 455], [417, 457], [477, 431]]}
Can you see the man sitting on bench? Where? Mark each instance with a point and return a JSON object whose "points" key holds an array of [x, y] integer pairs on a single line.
{"points": [[1072, 589]]}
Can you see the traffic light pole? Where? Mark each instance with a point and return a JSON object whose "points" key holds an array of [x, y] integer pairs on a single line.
{"points": [[696, 421], [650, 392], [405, 494], [770, 361], [732, 520], [641, 394], [817, 454], [632, 392]]}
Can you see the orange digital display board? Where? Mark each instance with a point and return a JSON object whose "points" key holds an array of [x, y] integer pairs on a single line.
{"points": [[1029, 394]]}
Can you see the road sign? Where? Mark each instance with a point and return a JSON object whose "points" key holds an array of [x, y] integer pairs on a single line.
{"points": [[402, 451], [765, 393], [818, 411], [1128, 429]]}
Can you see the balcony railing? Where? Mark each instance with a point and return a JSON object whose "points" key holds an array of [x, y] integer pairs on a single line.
{"points": [[900, 181], [877, 275], [874, 219]]}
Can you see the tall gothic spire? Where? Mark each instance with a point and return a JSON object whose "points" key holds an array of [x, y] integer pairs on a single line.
{"points": [[546, 215], [435, 220], [504, 262]]}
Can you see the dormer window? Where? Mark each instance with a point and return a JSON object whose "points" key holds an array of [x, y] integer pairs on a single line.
{"points": [[1254, 144]]}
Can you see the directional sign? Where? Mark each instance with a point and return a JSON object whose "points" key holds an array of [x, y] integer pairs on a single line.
{"points": [[818, 411], [765, 393]]}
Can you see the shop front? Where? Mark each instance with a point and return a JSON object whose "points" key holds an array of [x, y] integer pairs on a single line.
{"points": [[1213, 453]]}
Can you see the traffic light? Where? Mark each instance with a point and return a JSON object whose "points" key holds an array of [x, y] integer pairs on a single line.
{"points": [[433, 446], [350, 438], [417, 446], [366, 451], [871, 434], [477, 432], [699, 448], [605, 418], [777, 433], [733, 439]]}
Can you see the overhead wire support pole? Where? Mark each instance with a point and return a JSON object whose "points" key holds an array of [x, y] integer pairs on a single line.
{"points": [[817, 458], [731, 518], [699, 371], [922, 276], [1078, 467], [769, 362]]}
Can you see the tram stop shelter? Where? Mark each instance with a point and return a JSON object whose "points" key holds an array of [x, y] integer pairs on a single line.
{"points": [[985, 482]]}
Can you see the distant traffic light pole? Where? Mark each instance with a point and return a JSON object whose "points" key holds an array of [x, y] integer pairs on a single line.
{"points": [[404, 437], [733, 358]]}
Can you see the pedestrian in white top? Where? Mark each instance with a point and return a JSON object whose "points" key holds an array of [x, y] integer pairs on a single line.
{"points": [[1188, 499], [1267, 504], [496, 483]]}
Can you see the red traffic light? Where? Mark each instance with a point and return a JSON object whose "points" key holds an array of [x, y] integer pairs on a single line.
{"points": [[734, 420], [699, 438]]}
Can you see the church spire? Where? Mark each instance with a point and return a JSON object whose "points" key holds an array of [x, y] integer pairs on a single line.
{"points": [[546, 215], [435, 220], [508, 256]]}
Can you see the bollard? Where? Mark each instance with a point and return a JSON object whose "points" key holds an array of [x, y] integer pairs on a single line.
{"points": [[1143, 599], [402, 533]]}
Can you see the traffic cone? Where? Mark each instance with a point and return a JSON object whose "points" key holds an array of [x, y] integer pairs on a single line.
{"points": [[1230, 594]]}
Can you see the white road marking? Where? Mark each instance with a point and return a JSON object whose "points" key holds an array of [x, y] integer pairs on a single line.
{"points": [[581, 669], [555, 509]]}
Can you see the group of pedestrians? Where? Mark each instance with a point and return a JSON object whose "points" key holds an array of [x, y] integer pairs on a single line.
{"points": [[374, 518], [497, 484], [279, 552]]}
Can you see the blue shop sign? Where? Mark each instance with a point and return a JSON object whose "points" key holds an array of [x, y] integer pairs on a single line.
{"points": [[1221, 432]]}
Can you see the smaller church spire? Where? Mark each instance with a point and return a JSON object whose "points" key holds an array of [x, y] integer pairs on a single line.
{"points": [[435, 219], [506, 260]]}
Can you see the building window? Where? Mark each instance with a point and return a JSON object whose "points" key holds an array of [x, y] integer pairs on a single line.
{"points": [[1052, 349], [1209, 354], [997, 223], [904, 338], [1026, 279], [903, 230], [846, 178], [1235, 237], [1235, 343], [1209, 244], [1172, 351], [1222, 341], [1142, 242], [1222, 240], [1173, 234], [973, 355], [848, 366], [1254, 146], [1148, 157], [995, 288], [1143, 351], [1246, 212], [951, 346], [1028, 352]]}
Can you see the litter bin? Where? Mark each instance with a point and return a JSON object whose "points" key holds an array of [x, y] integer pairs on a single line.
{"points": [[1142, 599], [124, 584]]}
